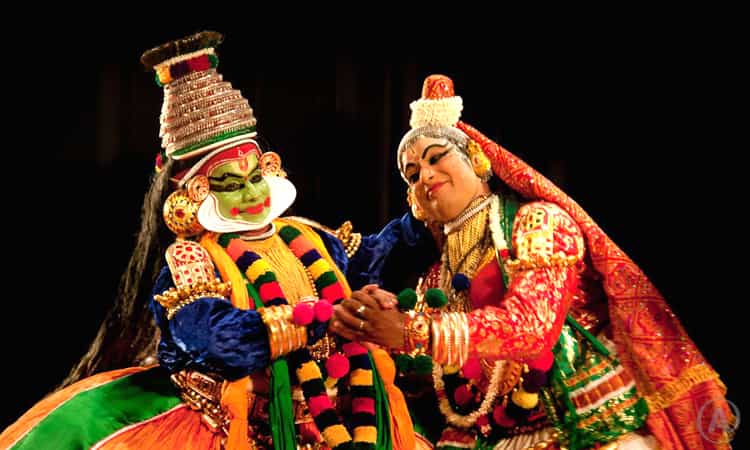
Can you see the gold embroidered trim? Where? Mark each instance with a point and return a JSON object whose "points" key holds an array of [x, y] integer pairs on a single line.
{"points": [[608, 413], [350, 240], [592, 371], [537, 261], [687, 379], [175, 299]]}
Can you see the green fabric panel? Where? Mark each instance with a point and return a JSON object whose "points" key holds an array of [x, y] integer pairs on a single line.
{"points": [[90, 416], [280, 408], [508, 207], [382, 411]]}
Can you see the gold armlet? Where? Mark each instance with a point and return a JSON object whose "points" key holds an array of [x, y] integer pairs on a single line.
{"points": [[175, 299], [350, 240], [283, 335]]}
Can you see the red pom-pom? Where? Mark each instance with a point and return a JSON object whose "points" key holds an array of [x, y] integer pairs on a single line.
{"points": [[337, 365], [483, 420], [323, 311], [501, 418], [303, 314], [472, 369], [462, 395]]}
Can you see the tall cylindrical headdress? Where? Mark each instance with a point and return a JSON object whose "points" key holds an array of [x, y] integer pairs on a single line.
{"points": [[204, 123]]}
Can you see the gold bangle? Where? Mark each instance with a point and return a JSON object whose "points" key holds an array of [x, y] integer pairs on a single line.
{"points": [[272, 339], [284, 344], [437, 354]]}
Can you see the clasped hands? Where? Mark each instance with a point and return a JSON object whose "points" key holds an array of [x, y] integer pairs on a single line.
{"points": [[370, 315]]}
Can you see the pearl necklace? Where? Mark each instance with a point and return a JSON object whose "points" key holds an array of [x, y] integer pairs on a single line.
{"points": [[468, 213]]}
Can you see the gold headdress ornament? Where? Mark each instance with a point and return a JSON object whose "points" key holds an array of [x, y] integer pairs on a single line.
{"points": [[435, 115]]}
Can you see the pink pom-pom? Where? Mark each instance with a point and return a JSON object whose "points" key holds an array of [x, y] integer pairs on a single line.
{"points": [[462, 395], [319, 404], [337, 365], [501, 418], [323, 311], [302, 314], [472, 369]]}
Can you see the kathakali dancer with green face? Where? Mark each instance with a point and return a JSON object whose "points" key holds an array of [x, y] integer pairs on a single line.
{"points": [[242, 303]]}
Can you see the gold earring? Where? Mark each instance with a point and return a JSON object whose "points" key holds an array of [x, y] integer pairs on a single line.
{"points": [[270, 165], [416, 210], [198, 188], [181, 213], [479, 161]]}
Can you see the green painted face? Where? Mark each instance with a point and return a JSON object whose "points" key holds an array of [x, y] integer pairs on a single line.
{"points": [[242, 192]]}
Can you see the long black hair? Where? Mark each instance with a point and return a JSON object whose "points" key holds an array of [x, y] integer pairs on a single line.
{"points": [[128, 335]]}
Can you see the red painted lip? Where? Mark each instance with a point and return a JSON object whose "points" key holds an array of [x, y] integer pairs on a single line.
{"points": [[257, 209], [434, 188]]}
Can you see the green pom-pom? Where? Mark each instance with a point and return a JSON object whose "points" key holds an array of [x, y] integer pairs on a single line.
{"points": [[423, 365], [404, 363], [435, 298], [407, 299]]}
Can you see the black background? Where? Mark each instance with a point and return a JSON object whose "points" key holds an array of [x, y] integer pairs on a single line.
{"points": [[640, 123]]}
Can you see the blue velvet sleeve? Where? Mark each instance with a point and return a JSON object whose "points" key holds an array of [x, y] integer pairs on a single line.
{"points": [[336, 250], [394, 257], [210, 335]]}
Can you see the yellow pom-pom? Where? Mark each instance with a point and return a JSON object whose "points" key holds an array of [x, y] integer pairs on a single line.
{"points": [[524, 399], [449, 369]]}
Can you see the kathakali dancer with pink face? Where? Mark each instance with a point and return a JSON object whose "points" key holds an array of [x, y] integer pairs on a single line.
{"points": [[533, 330], [242, 304]]}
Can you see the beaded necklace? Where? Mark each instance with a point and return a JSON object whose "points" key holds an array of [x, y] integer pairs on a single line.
{"points": [[477, 223], [260, 274]]}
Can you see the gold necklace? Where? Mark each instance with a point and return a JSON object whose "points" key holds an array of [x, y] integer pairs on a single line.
{"points": [[464, 250]]}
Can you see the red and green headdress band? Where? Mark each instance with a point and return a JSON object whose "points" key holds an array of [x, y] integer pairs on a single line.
{"points": [[176, 68]]}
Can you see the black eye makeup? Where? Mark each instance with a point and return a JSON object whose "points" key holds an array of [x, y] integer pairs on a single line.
{"points": [[435, 157], [226, 183]]}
